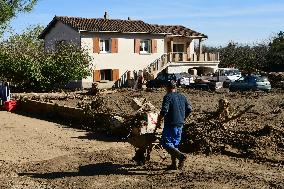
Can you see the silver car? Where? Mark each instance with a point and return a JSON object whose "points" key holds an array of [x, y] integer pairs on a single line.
{"points": [[252, 82]]}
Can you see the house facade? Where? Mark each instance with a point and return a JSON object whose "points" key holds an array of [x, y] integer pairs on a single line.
{"points": [[120, 48]]}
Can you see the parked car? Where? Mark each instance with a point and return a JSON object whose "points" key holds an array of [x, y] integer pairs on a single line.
{"points": [[225, 75], [182, 79], [252, 82]]}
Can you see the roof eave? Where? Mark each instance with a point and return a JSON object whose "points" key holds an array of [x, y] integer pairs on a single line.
{"points": [[193, 37], [123, 32], [47, 28], [50, 25]]}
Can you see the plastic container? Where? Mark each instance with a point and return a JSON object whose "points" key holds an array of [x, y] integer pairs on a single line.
{"points": [[10, 105]]}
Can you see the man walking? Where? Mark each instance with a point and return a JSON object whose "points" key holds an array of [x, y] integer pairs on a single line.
{"points": [[175, 109]]}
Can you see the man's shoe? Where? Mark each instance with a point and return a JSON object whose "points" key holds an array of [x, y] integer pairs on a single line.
{"points": [[181, 162], [171, 167]]}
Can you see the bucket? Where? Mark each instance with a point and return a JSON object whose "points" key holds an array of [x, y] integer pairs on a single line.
{"points": [[10, 105]]}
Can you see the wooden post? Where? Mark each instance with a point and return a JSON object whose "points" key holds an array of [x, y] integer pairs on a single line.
{"points": [[200, 48]]}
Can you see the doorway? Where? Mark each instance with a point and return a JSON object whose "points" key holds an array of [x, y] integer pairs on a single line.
{"points": [[178, 48]]}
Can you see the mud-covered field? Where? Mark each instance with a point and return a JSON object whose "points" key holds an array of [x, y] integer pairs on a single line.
{"points": [[40, 154]]}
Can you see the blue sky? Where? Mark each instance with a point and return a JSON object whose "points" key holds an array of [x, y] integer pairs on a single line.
{"points": [[243, 21]]}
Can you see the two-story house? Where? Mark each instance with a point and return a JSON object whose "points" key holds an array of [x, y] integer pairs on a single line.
{"points": [[119, 47]]}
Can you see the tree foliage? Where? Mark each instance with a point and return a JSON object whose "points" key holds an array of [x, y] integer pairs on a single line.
{"points": [[250, 58], [244, 57], [24, 62], [10, 8], [275, 56]]}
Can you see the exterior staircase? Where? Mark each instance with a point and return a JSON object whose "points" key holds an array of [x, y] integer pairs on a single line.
{"points": [[158, 65], [150, 72], [183, 59]]}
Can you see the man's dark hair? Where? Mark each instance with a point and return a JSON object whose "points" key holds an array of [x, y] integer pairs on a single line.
{"points": [[171, 84]]}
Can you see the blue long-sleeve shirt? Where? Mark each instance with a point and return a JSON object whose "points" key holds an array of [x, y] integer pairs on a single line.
{"points": [[175, 108]]}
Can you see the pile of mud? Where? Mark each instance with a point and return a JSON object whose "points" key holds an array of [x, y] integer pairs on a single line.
{"points": [[239, 127], [276, 79], [215, 132], [252, 126]]}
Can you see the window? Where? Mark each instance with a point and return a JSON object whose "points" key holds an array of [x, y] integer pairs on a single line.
{"points": [[145, 46], [106, 75], [105, 45]]}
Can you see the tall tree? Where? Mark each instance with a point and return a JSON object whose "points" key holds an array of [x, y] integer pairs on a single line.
{"points": [[275, 56], [10, 8], [25, 63]]}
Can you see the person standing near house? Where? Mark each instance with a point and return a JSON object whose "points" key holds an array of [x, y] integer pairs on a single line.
{"points": [[175, 109], [5, 92], [139, 80]]}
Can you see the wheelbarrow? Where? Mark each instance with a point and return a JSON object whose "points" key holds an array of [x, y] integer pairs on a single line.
{"points": [[145, 144]]}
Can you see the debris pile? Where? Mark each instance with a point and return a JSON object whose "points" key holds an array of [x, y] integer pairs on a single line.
{"points": [[276, 79], [121, 124], [214, 132], [51, 97]]}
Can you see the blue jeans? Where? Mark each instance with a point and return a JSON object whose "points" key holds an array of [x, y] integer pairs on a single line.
{"points": [[171, 136]]}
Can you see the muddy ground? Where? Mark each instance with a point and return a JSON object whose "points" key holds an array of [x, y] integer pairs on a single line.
{"points": [[42, 154]]}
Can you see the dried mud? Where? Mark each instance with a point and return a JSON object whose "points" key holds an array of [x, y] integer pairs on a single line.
{"points": [[68, 158]]}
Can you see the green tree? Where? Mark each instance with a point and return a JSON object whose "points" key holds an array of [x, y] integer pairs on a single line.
{"points": [[275, 56], [10, 8], [249, 58], [24, 62]]}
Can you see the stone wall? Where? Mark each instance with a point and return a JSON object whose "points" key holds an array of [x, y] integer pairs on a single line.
{"points": [[51, 110]]}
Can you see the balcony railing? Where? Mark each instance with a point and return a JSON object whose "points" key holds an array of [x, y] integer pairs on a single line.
{"points": [[184, 57]]}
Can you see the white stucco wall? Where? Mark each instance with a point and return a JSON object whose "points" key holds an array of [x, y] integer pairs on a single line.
{"points": [[61, 32], [125, 59]]}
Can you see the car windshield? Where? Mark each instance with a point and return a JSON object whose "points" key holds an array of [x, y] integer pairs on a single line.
{"points": [[161, 77], [229, 72], [261, 79]]}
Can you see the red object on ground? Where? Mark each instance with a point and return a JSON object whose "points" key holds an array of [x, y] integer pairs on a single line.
{"points": [[10, 105]]}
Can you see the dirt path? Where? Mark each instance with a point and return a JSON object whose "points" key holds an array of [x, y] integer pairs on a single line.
{"points": [[25, 139], [40, 154]]}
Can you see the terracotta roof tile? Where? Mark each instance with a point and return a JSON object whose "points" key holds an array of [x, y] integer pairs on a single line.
{"points": [[123, 26]]}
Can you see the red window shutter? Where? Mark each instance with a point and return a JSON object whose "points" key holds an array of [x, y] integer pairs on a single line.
{"points": [[154, 45], [114, 45], [115, 74], [97, 75], [96, 45], [136, 45]]}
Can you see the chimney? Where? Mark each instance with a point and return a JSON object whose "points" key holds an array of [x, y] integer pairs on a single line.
{"points": [[128, 18], [106, 16]]}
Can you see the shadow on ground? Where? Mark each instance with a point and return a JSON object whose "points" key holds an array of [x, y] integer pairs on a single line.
{"points": [[100, 137], [107, 168]]}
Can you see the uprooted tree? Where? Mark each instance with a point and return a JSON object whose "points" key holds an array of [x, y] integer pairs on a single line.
{"points": [[25, 63]]}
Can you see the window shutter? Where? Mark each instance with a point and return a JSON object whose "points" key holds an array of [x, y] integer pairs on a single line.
{"points": [[136, 45], [96, 45], [154, 46], [97, 75], [114, 45], [115, 74]]}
